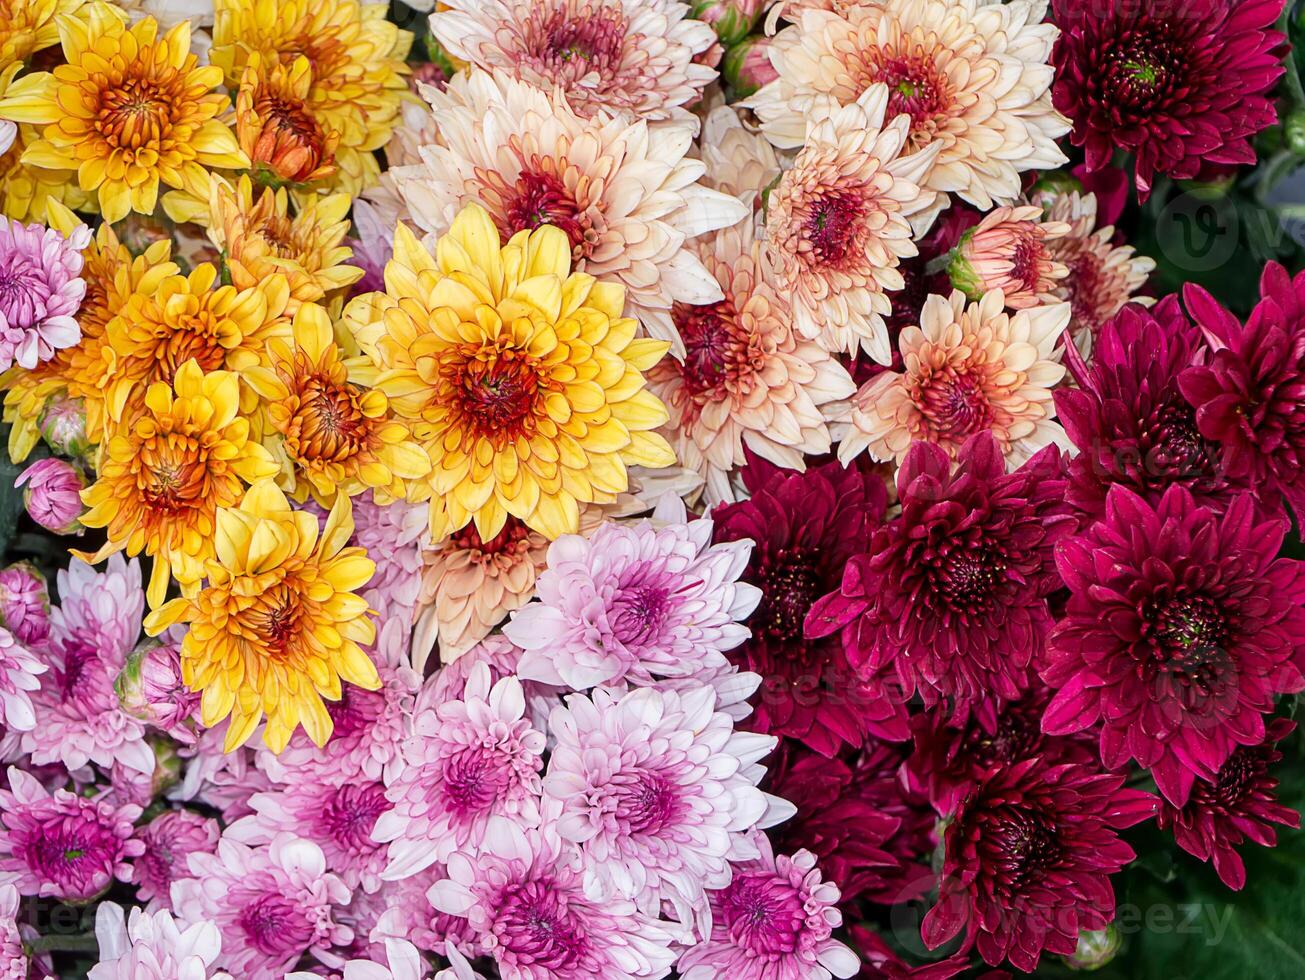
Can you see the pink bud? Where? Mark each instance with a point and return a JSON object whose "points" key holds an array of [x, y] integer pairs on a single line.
{"points": [[25, 604], [732, 20], [150, 688], [747, 67], [53, 494], [63, 426]]}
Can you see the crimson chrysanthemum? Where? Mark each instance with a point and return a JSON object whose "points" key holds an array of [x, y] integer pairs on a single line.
{"points": [[1181, 629], [1027, 861], [806, 527], [1180, 83], [952, 595]]}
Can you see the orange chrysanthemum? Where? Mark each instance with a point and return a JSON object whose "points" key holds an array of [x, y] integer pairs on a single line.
{"points": [[276, 126], [278, 624], [29, 26]]}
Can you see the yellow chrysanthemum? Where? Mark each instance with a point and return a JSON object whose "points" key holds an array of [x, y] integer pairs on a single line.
{"points": [[333, 433], [258, 239], [28, 26], [129, 110], [84, 371], [521, 379], [276, 126], [278, 625], [358, 64], [164, 472], [25, 192]]}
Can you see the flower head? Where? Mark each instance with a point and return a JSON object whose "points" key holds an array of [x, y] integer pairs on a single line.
{"points": [[52, 494], [521, 378], [1179, 84], [276, 125], [170, 839], [19, 676], [41, 289], [1011, 249], [153, 946], [31, 26], [151, 688], [25, 604]]}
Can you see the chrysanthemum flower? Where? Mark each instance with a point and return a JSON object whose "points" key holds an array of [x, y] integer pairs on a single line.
{"points": [[633, 602], [392, 534], [525, 900], [52, 489], [502, 657], [62, 845], [334, 435], [658, 791], [624, 193], [14, 959], [775, 919], [967, 369], [271, 904], [740, 162], [633, 58], [19, 676], [468, 762], [170, 839], [31, 26], [1181, 629], [277, 626], [1180, 84], [40, 271], [357, 59], [165, 471], [521, 379], [129, 111], [839, 222], [806, 527], [1239, 804], [153, 946], [25, 604], [276, 125], [952, 595], [1011, 250], [972, 75], [1027, 861], [1247, 395]]}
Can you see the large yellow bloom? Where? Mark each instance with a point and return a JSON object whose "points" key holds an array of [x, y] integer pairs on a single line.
{"points": [[129, 110], [278, 624], [165, 470], [334, 434], [25, 192], [521, 379]]}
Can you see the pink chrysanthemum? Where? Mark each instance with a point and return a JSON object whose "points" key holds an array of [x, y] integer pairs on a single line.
{"points": [[14, 962], [468, 761], [391, 534], [61, 845], [628, 57], [272, 904], [658, 791], [41, 289], [25, 604], [19, 676], [774, 921], [96, 625], [633, 602], [170, 839], [154, 946], [524, 898], [1182, 628], [502, 657]]}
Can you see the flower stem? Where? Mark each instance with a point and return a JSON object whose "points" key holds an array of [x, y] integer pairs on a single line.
{"points": [[83, 942]]}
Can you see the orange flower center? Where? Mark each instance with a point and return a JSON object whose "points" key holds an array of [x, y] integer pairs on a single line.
{"points": [[173, 477], [492, 392], [328, 424], [137, 112], [277, 620], [955, 404], [196, 337]]}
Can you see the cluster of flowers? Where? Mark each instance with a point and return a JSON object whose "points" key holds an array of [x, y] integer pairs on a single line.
{"points": [[721, 477]]}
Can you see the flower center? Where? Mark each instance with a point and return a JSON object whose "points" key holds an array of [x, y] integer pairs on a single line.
{"points": [[956, 405], [713, 344], [1190, 638], [791, 586], [277, 619], [966, 577], [173, 480], [562, 40], [540, 199], [20, 287], [67, 850], [536, 926], [328, 425], [136, 114], [507, 540], [1177, 452], [832, 226], [1023, 846], [1142, 70], [197, 337], [350, 814], [915, 88], [638, 613], [492, 391], [647, 803], [1238, 778], [763, 914], [474, 779], [84, 677], [272, 924]]}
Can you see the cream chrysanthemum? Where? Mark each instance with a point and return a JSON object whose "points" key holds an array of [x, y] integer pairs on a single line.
{"points": [[630, 57], [968, 369], [1011, 249], [626, 197], [746, 379], [739, 162], [840, 220], [972, 75]]}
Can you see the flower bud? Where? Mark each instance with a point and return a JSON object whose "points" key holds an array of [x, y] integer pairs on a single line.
{"points": [[732, 20], [1095, 949], [747, 67], [52, 493], [63, 426], [276, 127], [150, 688], [25, 604]]}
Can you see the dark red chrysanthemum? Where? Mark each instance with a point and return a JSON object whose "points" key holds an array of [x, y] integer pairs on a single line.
{"points": [[1250, 397], [1181, 629], [1180, 83], [881, 962], [1237, 805], [806, 526], [1028, 858], [949, 760], [952, 595], [1129, 420]]}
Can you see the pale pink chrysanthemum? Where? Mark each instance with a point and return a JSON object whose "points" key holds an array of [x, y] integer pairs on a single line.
{"points": [[746, 377], [467, 763], [60, 845], [628, 57], [624, 193], [659, 792], [391, 534], [502, 658], [335, 814], [1011, 249], [97, 623], [41, 290], [968, 368], [840, 221], [217, 778], [410, 915], [524, 897], [170, 839], [972, 75], [396, 960], [14, 962], [154, 946], [774, 921], [272, 904], [25, 604], [19, 676], [739, 162], [635, 601]]}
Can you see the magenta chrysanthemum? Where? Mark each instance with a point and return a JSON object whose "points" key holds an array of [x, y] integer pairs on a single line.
{"points": [[60, 845], [41, 289], [169, 840], [1181, 629]]}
